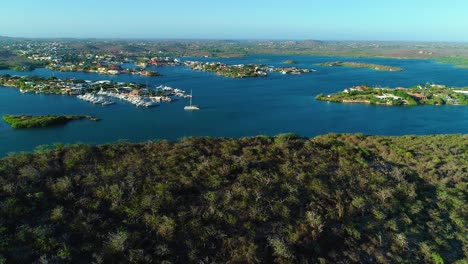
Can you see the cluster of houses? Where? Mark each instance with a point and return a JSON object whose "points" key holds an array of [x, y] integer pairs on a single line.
{"points": [[56, 86], [233, 71], [382, 96], [101, 68], [102, 63], [292, 70], [111, 63], [164, 61], [418, 93]]}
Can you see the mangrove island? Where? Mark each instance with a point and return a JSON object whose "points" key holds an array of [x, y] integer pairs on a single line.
{"points": [[353, 64], [29, 121]]}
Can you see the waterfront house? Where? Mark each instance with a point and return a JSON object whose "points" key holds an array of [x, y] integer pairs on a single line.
{"points": [[77, 90], [137, 93], [385, 96], [461, 91], [113, 72], [417, 96]]}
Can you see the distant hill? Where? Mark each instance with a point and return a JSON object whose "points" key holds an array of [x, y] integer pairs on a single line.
{"points": [[453, 53], [10, 60], [312, 41], [6, 54]]}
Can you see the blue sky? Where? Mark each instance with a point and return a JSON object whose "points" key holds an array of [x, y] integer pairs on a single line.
{"points": [[409, 20]]}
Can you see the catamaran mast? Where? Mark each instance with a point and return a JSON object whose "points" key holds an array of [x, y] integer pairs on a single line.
{"points": [[190, 97]]}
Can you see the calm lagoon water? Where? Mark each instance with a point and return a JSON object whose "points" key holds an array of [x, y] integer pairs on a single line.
{"points": [[240, 107]]}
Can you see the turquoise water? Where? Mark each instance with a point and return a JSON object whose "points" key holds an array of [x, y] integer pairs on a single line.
{"points": [[241, 107]]}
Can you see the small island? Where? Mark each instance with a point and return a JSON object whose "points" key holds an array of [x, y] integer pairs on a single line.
{"points": [[289, 62], [29, 121], [353, 64], [242, 70], [429, 94]]}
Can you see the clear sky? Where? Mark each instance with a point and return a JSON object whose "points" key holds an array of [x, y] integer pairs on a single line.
{"points": [[411, 20]]}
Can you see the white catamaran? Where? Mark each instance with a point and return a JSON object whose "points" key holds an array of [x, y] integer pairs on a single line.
{"points": [[191, 107]]}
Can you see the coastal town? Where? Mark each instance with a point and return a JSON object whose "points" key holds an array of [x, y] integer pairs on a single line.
{"points": [[102, 92], [428, 94], [126, 58], [111, 64], [99, 68]]}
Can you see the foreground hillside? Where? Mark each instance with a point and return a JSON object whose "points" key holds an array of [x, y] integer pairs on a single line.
{"points": [[331, 199]]}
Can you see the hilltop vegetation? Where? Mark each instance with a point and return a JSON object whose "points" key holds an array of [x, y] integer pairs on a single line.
{"points": [[284, 199], [10, 60]]}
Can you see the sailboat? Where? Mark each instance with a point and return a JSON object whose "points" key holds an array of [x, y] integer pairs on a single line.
{"points": [[191, 107]]}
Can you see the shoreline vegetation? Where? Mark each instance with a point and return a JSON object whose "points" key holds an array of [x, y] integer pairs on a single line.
{"points": [[429, 94], [455, 61], [330, 199], [33, 121], [353, 64]]}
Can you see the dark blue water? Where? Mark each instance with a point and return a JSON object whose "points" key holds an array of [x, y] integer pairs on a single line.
{"points": [[241, 107]]}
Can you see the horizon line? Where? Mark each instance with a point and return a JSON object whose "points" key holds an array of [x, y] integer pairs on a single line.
{"points": [[228, 39]]}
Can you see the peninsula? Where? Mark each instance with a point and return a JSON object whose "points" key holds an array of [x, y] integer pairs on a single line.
{"points": [[96, 92], [35, 84], [429, 94], [29, 121], [107, 69], [354, 64]]}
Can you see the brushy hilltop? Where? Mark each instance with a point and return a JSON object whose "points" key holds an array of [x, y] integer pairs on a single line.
{"points": [[283, 199]]}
